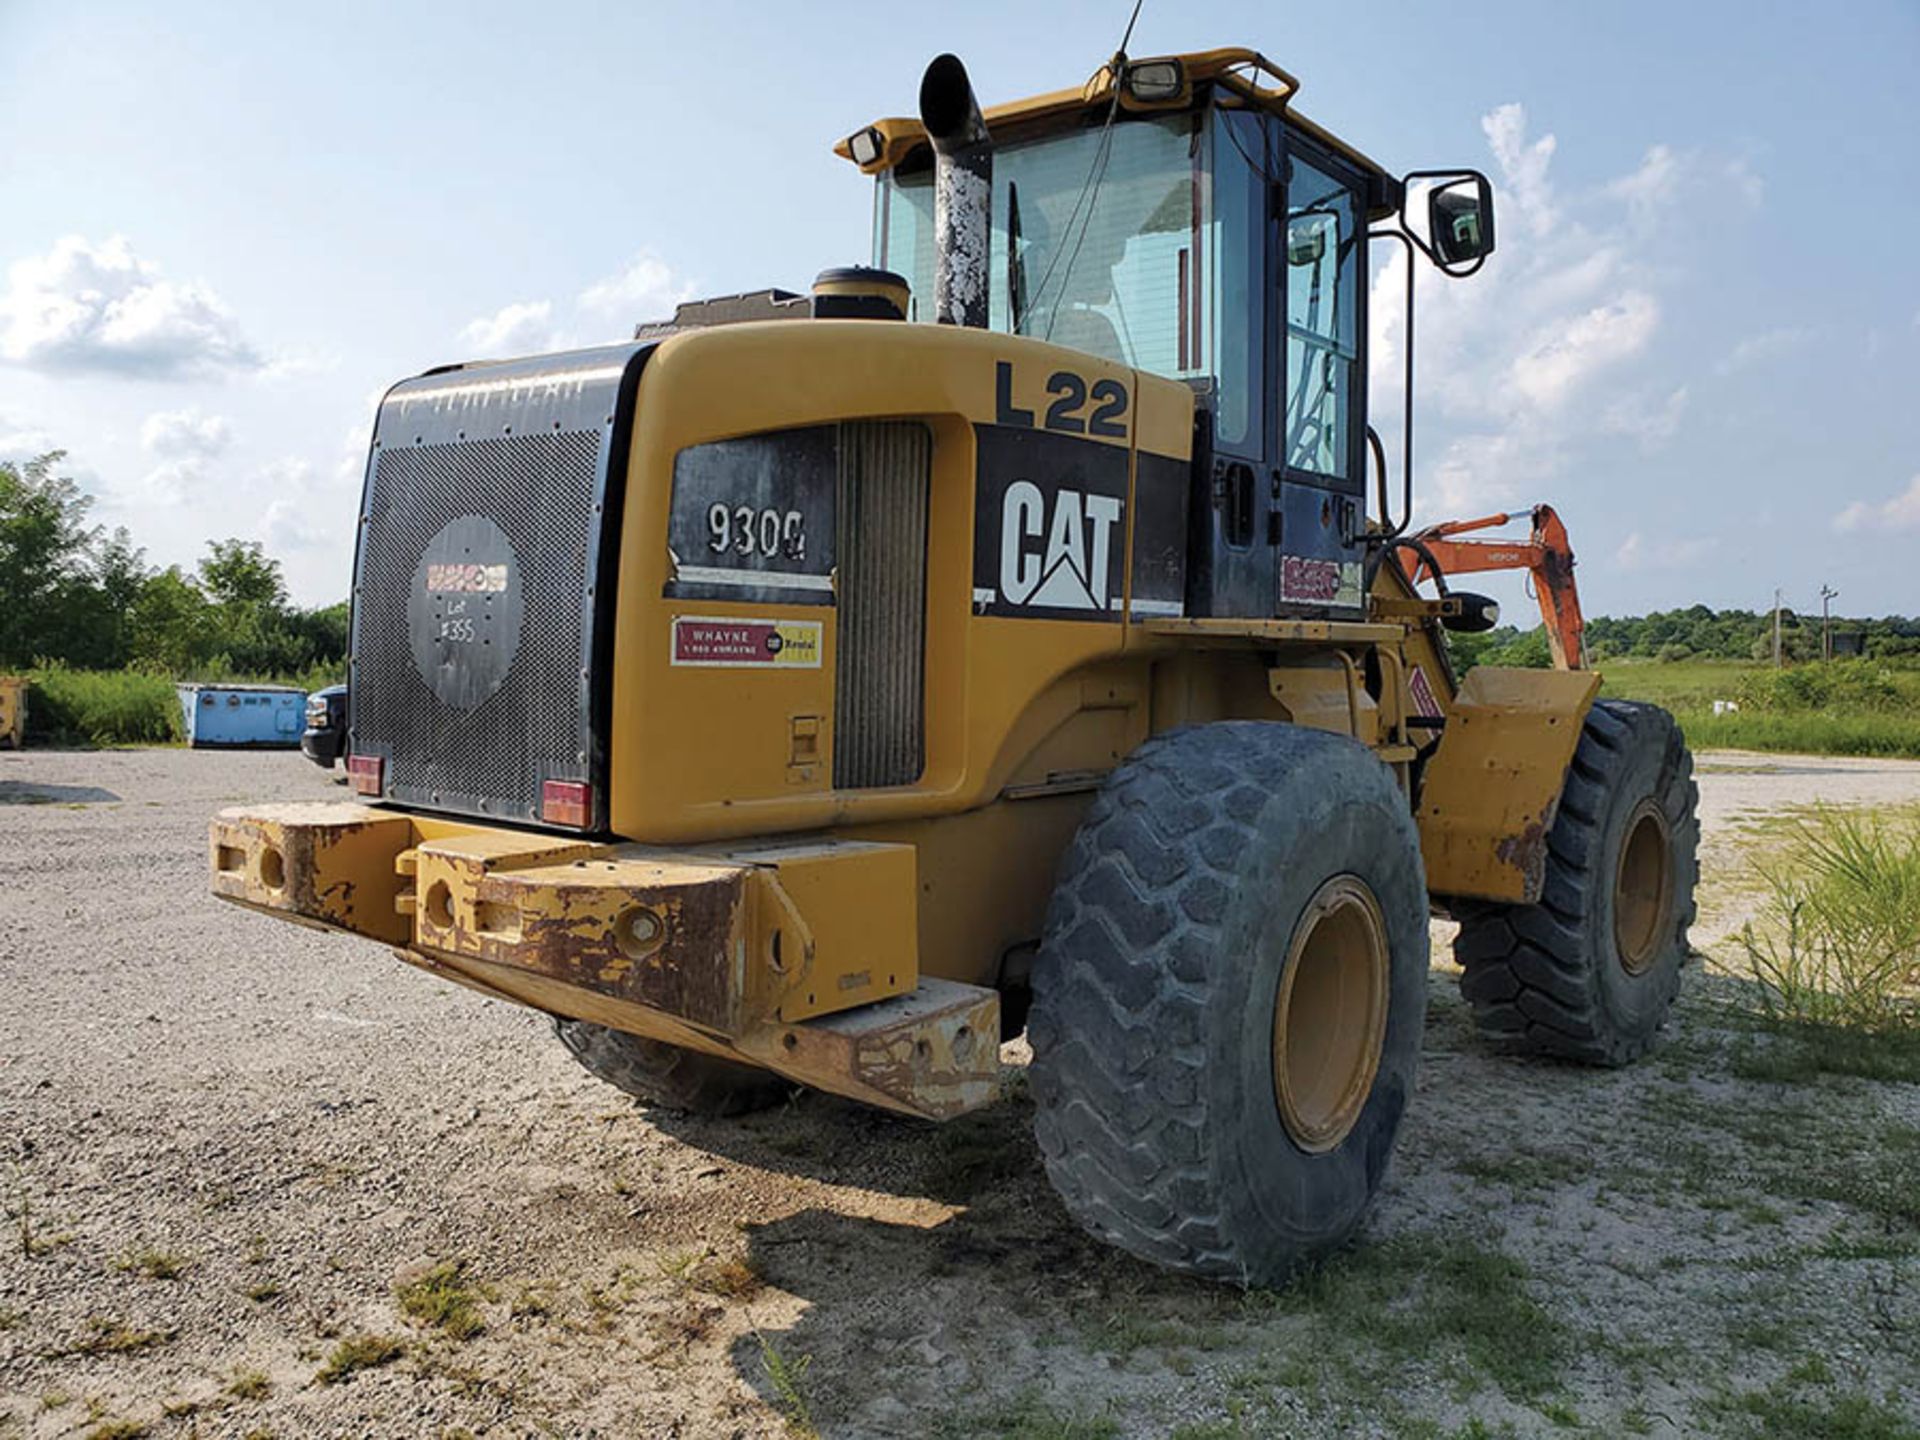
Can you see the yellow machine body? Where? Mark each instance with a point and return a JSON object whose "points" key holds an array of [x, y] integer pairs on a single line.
{"points": [[859, 938], [13, 711]]}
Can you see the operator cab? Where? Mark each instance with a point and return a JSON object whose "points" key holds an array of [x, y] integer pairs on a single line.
{"points": [[1134, 222]]}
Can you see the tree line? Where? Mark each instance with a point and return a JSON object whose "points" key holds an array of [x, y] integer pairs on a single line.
{"points": [[77, 595], [1697, 633]]}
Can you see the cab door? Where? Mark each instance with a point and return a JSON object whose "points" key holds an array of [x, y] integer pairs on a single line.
{"points": [[1320, 521]]}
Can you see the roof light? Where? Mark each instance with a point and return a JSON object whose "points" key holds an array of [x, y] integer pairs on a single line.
{"points": [[865, 145], [1155, 80], [568, 803]]}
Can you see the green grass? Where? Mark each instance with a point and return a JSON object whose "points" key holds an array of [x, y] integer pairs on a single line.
{"points": [[1850, 707], [123, 707], [1027, 1416], [1412, 1295], [445, 1297], [788, 1375], [1812, 1411], [357, 1353], [154, 1264], [248, 1384]]}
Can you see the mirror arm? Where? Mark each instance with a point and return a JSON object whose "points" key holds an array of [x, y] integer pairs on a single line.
{"points": [[1391, 530]]}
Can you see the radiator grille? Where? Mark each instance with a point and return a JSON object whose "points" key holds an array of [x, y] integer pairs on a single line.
{"points": [[879, 733], [539, 489]]}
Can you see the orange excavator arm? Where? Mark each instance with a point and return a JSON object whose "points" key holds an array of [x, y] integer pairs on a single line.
{"points": [[1546, 555]]}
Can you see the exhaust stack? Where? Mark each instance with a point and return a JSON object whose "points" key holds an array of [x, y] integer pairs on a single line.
{"points": [[962, 192]]}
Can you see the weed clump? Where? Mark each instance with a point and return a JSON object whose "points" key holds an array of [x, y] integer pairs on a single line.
{"points": [[357, 1353], [1838, 944], [445, 1297], [154, 1264]]}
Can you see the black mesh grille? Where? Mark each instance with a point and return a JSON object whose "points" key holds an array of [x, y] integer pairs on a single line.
{"points": [[540, 490], [880, 671]]}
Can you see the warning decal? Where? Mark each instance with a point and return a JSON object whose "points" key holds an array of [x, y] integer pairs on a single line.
{"points": [[1421, 689], [794, 644]]}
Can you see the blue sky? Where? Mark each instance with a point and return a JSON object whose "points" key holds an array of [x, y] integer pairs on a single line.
{"points": [[228, 227]]}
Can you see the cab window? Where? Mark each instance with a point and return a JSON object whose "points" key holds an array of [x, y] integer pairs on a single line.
{"points": [[1322, 362]]}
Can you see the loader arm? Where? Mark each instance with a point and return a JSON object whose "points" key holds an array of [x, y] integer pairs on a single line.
{"points": [[1546, 555]]}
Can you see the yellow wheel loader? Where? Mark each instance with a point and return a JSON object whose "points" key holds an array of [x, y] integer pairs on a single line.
{"points": [[818, 690]]}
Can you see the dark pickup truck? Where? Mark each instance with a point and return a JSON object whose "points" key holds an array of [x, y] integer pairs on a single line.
{"points": [[326, 734]]}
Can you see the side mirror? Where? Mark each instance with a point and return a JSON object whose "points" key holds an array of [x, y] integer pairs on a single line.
{"points": [[1460, 221], [1477, 615]]}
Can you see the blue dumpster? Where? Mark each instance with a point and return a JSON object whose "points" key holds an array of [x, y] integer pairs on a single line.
{"points": [[243, 716]]}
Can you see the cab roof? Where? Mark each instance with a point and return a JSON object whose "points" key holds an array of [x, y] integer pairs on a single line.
{"points": [[1239, 77]]}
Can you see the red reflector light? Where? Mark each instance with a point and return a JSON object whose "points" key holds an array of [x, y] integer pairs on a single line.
{"points": [[368, 774], [567, 802]]}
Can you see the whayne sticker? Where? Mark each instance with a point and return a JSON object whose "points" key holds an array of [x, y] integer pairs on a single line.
{"points": [[794, 644]]}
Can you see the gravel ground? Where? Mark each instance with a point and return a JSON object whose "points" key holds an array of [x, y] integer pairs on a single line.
{"points": [[229, 1143]]}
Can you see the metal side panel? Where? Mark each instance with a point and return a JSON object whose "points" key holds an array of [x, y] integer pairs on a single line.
{"points": [[480, 577], [879, 732]]}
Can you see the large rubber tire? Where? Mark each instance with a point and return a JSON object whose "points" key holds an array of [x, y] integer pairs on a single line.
{"points": [[1155, 993], [667, 1076], [1553, 978]]}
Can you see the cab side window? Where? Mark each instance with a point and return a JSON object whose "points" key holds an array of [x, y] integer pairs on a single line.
{"points": [[1322, 339]]}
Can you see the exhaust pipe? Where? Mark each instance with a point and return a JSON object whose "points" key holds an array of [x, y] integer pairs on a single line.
{"points": [[962, 192]]}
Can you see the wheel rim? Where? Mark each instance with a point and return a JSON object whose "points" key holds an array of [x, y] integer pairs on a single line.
{"points": [[1330, 1017], [1643, 889]]}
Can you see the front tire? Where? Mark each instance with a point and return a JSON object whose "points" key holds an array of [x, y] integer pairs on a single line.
{"points": [[669, 1077], [1591, 972], [1229, 997]]}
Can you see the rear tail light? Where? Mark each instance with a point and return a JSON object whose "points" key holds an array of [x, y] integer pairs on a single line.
{"points": [[368, 774], [568, 803]]}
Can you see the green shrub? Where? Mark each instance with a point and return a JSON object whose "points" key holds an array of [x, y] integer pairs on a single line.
{"points": [[102, 707], [1838, 943], [1813, 732], [1844, 685]]}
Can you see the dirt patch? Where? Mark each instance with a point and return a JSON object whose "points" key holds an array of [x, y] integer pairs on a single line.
{"points": [[264, 1181]]}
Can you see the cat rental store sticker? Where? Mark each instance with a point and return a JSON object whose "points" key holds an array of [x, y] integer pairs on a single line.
{"points": [[792, 644]]}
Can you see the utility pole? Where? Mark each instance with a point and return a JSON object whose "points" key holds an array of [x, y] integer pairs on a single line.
{"points": [[1776, 629], [1826, 623]]}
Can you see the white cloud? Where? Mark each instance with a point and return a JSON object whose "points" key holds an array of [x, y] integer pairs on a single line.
{"points": [[1902, 512], [1566, 353], [1547, 349], [296, 518], [1651, 186], [101, 308], [1638, 553], [1759, 349], [519, 329], [647, 289], [184, 441], [607, 310], [185, 432], [174, 482], [1746, 183], [20, 441], [1652, 422], [1523, 165]]}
